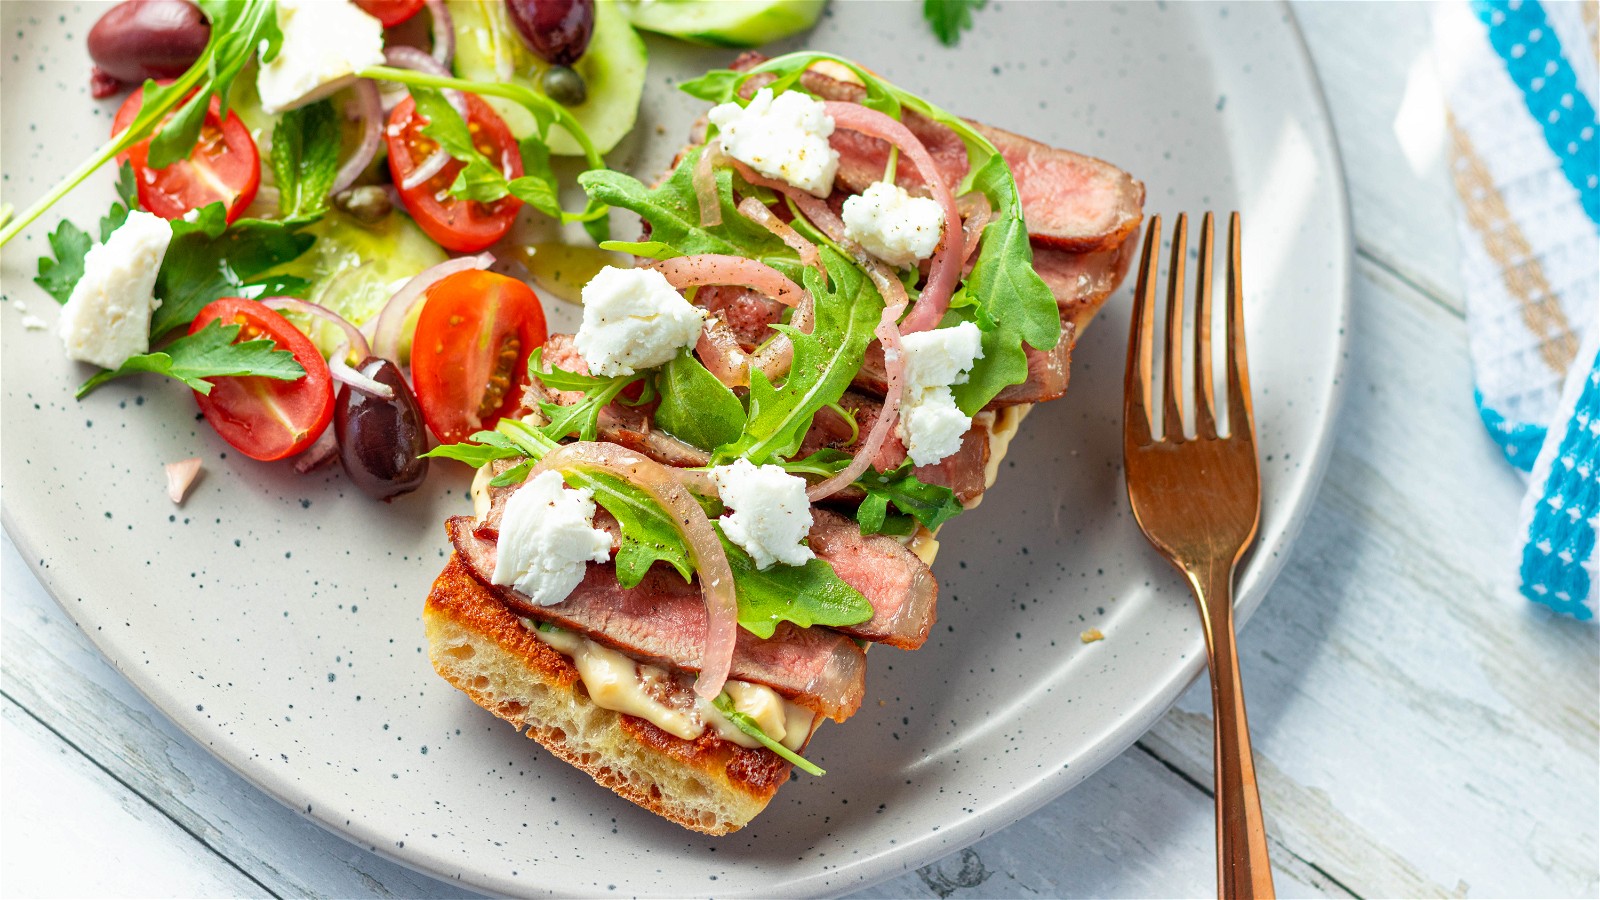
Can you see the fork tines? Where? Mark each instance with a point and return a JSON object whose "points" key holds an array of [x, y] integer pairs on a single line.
{"points": [[1137, 390]]}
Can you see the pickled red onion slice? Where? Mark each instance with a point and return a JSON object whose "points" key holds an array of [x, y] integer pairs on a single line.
{"points": [[705, 549], [945, 270], [716, 268]]}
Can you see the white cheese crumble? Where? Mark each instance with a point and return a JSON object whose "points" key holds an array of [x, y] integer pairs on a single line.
{"points": [[771, 515], [931, 425], [634, 319], [325, 42], [893, 225], [546, 538], [107, 318], [784, 137]]}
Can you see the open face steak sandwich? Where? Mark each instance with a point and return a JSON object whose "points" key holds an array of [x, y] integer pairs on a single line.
{"points": [[667, 467]]}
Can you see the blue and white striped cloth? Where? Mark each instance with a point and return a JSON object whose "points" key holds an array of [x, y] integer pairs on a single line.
{"points": [[1520, 79]]}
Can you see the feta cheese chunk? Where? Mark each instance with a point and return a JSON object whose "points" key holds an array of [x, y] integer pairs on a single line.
{"points": [[107, 318], [325, 42], [546, 538], [784, 137], [634, 319], [931, 425], [893, 225], [771, 514]]}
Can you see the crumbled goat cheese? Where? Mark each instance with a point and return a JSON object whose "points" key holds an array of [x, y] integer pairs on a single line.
{"points": [[893, 225], [324, 45], [931, 425], [633, 319], [107, 318], [546, 538], [784, 137], [771, 515]]}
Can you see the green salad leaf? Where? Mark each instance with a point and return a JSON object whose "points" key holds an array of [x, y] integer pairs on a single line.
{"points": [[69, 244], [240, 30], [208, 353], [744, 723], [825, 362], [931, 505], [583, 417], [1012, 305], [695, 406], [481, 180], [305, 159], [948, 18], [59, 275], [812, 594], [127, 200], [674, 217], [209, 259]]}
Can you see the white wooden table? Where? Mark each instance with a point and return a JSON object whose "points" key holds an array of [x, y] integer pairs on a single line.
{"points": [[1417, 733]]}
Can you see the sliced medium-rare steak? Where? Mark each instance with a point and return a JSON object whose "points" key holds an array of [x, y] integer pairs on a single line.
{"points": [[662, 620], [896, 582]]}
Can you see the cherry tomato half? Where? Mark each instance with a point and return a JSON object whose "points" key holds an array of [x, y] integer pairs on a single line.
{"points": [[469, 359], [224, 166], [390, 12], [464, 226], [265, 418]]}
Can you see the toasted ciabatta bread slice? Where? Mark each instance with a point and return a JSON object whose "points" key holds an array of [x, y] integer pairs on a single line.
{"points": [[709, 785], [476, 644]]}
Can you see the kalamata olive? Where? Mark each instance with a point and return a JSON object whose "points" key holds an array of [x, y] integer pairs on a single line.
{"points": [[565, 86], [557, 30], [381, 441], [140, 39], [368, 204]]}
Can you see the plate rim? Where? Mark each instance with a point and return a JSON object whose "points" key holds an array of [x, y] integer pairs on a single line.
{"points": [[1257, 573]]}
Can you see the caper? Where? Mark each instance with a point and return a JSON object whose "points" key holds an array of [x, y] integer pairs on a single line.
{"points": [[369, 204], [565, 86]]}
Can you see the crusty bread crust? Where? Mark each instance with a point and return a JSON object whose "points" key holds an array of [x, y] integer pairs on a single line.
{"points": [[709, 785]]}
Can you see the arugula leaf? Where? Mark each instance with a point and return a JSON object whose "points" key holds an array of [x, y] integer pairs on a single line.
{"points": [[239, 29], [305, 159], [481, 179], [812, 594], [1010, 297], [59, 276], [648, 535], [474, 455], [949, 18], [646, 249], [744, 723], [208, 353], [825, 361], [930, 504], [209, 259], [128, 196], [806, 595], [674, 216], [583, 417], [695, 406]]}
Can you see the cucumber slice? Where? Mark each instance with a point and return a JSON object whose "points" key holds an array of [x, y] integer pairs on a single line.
{"points": [[354, 269], [488, 48], [726, 23]]}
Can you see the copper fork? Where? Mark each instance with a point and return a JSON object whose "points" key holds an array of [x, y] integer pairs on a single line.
{"points": [[1198, 500]]}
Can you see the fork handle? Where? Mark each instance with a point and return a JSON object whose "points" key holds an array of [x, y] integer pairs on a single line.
{"points": [[1243, 868]]}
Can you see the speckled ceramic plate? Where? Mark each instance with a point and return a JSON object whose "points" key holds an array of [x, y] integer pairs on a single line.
{"points": [[276, 618]]}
